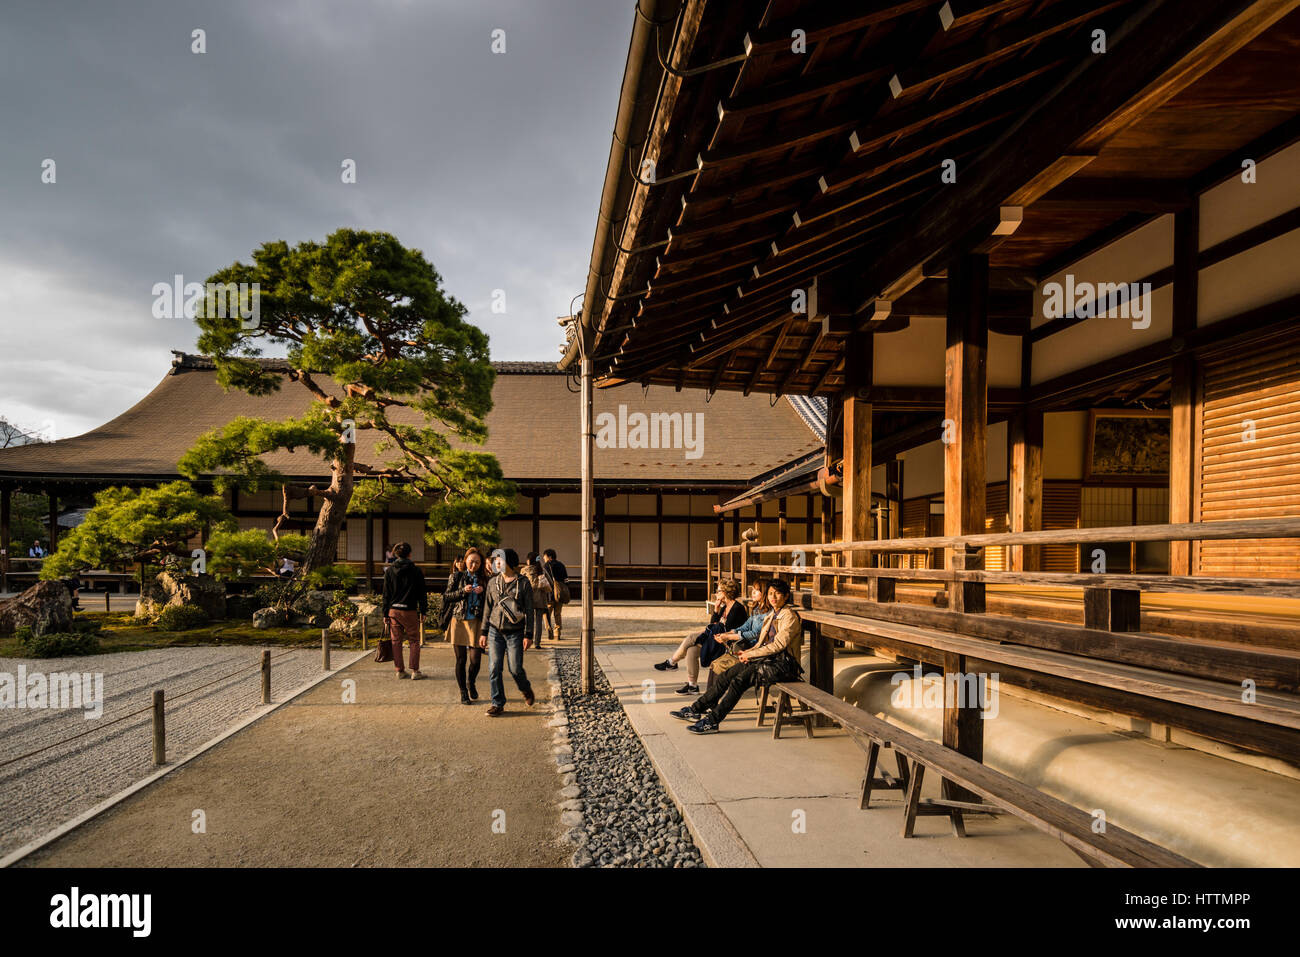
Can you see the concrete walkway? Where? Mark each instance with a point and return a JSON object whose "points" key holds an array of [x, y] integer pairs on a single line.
{"points": [[405, 776], [751, 801]]}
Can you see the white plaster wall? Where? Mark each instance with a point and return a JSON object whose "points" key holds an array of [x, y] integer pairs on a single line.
{"points": [[1233, 206]]}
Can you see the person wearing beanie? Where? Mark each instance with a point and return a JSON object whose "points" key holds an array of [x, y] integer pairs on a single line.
{"points": [[509, 628]]}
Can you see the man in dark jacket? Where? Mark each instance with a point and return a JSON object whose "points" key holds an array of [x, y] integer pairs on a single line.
{"points": [[559, 575], [405, 602]]}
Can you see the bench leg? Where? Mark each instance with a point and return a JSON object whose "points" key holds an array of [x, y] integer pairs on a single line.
{"points": [[762, 704], [781, 702], [873, 754], [904, 773], [913, 799]]}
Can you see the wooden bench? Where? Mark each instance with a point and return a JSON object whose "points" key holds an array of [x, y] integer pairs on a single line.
{"points": [[1000, 793]]}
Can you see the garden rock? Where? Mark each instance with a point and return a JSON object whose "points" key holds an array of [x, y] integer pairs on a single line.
{"points": [[45, 608], [270, 618]]}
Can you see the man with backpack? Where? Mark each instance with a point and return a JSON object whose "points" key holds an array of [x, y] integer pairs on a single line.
{"points": [[510, 629], [558, 575], [405, 602]]}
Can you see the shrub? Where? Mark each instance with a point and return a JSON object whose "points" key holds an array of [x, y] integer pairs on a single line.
{"points": [[342, 609], [180, 618], [57, 644], [277, 594], [330, 577]]}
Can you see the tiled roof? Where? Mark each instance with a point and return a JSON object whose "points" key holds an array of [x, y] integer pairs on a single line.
{"points": [[533, 430]]}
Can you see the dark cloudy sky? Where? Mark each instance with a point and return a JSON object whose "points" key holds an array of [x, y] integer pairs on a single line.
{"points": [[173, 162]]}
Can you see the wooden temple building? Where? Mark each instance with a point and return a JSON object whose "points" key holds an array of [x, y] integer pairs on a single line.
{"points": [[1036, 261], [656, 495]]}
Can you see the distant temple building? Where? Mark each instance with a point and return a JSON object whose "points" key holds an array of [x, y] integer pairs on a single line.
{"points": [[657, 488]]}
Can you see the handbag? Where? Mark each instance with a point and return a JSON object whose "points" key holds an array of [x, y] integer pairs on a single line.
{"points": [[776, 668], [512, 614], [384, 649]]}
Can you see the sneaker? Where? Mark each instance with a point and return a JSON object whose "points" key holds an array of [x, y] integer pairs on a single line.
{"points": [[706, 725], [689, 688], [493, 711], [403, 674], [666, 666], [687, 714], [418, 676]]}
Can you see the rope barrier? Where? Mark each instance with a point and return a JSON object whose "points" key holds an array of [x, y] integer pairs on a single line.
{"points": [[108, 724]]}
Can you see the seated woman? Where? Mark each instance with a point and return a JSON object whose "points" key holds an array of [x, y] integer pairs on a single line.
{"points": [[774, 658], [718, 652], [728, 614]]}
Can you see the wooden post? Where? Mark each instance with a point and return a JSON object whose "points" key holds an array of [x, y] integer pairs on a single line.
{"points": [[964, 472], [587, 654], [894, 496], [744, 566], [266, 676], [782, 531], [708, 570], [966, 597], [966, 398], [106, 606], [1182, 392], [6, 520], [325, 648], [858, 359], [1112, 609], [963, 728], [1025, 486], [365, 633], [159, 730], [370, 552], [54, 520]]}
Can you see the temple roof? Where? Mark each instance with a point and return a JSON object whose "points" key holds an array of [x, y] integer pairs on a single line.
{"points": [[533, 431]]}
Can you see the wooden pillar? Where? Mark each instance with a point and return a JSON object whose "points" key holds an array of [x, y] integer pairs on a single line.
{"points": [[1182, 394], [965, 464], [1025, 486], [370, 551], [600, 544], [858, 524], [966, 406], [782, 532], [537, 523], [53, 532], [6, 521]]}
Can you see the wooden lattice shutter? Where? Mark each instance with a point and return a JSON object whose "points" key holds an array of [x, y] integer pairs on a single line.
{"points": [[1060, 510], [995, 520], [1249, 460], [916, 524]]}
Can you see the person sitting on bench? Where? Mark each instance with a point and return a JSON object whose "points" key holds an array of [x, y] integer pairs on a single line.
{"points": [[718, 652], [774, 658], [728, 614]]}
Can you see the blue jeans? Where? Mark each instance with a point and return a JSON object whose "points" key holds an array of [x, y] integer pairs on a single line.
{"points": [[503, 648]]}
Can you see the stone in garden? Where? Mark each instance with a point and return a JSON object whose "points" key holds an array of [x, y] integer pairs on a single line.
{"points": [[310, 609], [173, 588], [270, 618], [45, 608]]}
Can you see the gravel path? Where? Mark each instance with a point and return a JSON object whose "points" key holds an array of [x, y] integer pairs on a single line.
{"points": [[628, 818], [40, 792]]}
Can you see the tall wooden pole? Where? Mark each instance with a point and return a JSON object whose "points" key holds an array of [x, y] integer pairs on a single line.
{"points": [[965, 473], [1026, 486], [1182, 392], [370, 552], [588, 653], [54, 520], [6, 520]]}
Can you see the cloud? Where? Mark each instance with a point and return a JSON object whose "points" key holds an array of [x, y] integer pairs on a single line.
{"points": [[170, 162]]}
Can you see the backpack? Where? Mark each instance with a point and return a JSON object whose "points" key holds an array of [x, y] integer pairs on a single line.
{"points": [[512, 610]]}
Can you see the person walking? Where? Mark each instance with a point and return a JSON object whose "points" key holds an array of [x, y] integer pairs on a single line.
{"points": [[510, 623], [543, 596], [405, 602], [465, 590], [558, 576]]}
